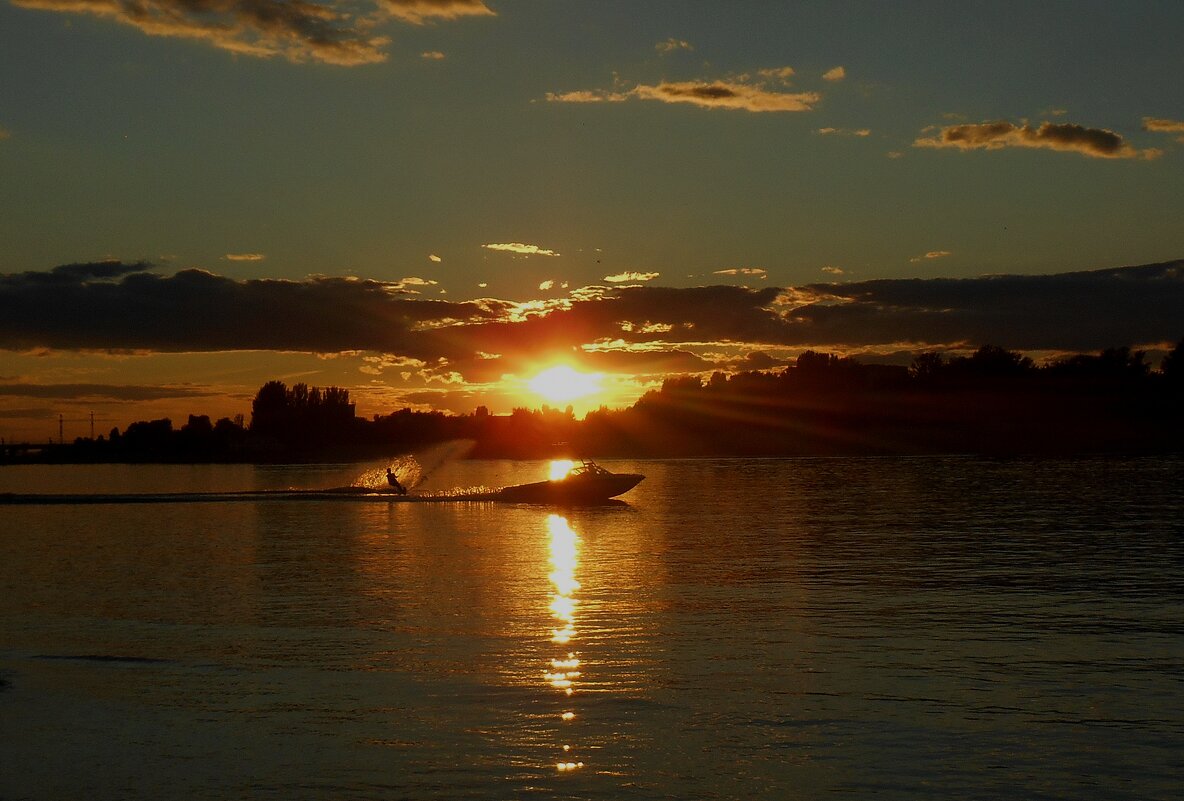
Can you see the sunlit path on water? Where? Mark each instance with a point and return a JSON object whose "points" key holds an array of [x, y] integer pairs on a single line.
{"points": [[564, 670]]}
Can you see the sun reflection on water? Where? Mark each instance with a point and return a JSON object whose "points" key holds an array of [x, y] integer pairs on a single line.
{"points": [[564, 669]]}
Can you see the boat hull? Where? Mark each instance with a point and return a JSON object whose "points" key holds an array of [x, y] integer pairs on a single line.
{"points": [[577, 490]]}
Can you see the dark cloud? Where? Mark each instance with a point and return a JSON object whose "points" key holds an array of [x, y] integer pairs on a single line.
{"points": [[645, 362], [331, 31], [638, 329], [27, 414], [1067, 137], [1074, 311], [106, 391], [196, 310]]}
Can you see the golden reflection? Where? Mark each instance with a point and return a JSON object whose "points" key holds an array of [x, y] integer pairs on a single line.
{"points": [[564, 553]]}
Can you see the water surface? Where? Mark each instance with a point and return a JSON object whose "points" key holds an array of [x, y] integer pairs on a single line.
{"points": [[903, 628]]}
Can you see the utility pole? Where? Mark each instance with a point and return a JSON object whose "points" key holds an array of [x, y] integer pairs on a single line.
{"points": [[61, 436], [92, 426]]}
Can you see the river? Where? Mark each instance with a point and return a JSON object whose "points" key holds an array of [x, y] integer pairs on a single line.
{"points": [[904, 628]]}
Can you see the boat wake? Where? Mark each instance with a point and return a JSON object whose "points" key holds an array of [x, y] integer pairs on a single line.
{"points": [[359, 494]]}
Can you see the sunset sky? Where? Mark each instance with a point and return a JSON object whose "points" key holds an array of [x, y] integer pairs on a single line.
{"points": [[430, 202]]}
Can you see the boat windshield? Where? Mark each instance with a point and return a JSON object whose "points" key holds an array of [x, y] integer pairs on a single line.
{"points": [[587, 467]]}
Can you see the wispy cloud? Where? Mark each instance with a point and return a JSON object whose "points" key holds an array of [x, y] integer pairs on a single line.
{"points": [[432, 257], [588, 96], [845, 131], [431, 55], [630, 276], [781, 74], [756, 272], [1064, 137], [834, 74], [732, 95], [418, 12], [1160, 125], [741, 92], [104, 391], [244, 257], [415, 280], [933, 254], [520, 248], [545, 285], [671, 45], [4, 133], [833, 270]]}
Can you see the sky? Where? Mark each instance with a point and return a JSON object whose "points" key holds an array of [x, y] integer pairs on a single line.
{"points": [[430, 202]]}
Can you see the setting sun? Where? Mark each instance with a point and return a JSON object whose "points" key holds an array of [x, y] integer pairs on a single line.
{"points": [[562, 383]]}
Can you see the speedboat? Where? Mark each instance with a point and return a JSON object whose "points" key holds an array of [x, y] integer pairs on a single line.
{"points": [[587, 482]]}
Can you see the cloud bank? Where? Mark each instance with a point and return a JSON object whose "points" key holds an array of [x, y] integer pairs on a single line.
{"points": [[1063, 137], [121, 306]]}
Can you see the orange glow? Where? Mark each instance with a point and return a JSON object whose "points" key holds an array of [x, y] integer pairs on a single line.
{"points": [[560, 468], [562, 384]]}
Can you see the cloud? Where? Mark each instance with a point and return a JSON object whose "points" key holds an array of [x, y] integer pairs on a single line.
{"points": [[244, 257], [432, 257], [295, 29], [587, 96], [415, 280], [782, 74], [1156, 124], [122, 306], [628, 276], [431, 55], [4, 133], [28, 414], [1076, 311], [418, 12], [521, 249], [671, 45], [1064, 137], [833, 270], [733, 95], [336, 32], [758, 272], [834, 74], [102, 391], [118, 306], [845, 131], [933, 254], [739, 93], [545, 285]]}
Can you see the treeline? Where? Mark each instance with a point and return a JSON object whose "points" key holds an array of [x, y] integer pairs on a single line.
{"points": [[992, 401]]}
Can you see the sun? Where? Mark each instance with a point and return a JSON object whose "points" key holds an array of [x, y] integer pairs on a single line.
{"points": [[561, 384]]}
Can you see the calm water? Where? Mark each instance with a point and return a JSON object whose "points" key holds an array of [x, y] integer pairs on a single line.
{"points": [[896, 628]]}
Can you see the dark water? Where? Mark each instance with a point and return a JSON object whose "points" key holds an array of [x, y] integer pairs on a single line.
{"points": [[889, 628]]}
